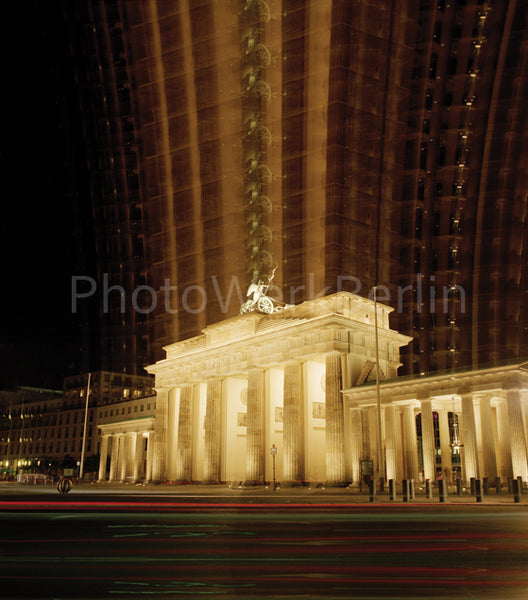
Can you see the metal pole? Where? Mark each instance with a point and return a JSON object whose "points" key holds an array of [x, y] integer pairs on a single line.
{"points": [[81, 467], [10, 434], [21, 436], [273, 454], [381, 466]]}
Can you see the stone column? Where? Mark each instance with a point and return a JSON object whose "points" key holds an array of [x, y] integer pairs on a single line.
{"points": [[213, 431], [137, 454], [356, 443], [293, 436], [372, 419], [390, 443], [410, 443], [445, 441], [124, 450], [173, 413], [159, 441], [524, 408], [503, 431], [114, 458], [255, 461], [489, 468], [335, 437], [428, 446], [400, 444], [103, 458], [148, 470], [131, 455], [184, 450], [517, 435], [469, 438]]}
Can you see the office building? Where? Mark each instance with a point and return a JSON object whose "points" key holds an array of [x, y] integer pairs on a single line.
{"points": [[345, 144]]}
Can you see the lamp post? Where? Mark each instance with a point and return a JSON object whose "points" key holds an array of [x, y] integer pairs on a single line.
{"points": [[81, 466], [273, 454], [381, 465]]}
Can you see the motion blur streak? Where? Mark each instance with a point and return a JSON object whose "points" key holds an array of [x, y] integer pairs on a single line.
{"points": [[417, 553]]}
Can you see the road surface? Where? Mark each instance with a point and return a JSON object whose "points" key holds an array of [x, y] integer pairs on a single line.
{"points": [[141, 549]]}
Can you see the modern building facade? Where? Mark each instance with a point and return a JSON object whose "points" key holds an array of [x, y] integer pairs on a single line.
{"points": [[345, 143]]}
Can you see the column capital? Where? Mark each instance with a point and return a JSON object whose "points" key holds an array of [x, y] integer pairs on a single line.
{"points": [[335, 352], [293, 362], [257, 368], [163, 390], [484, 395]]}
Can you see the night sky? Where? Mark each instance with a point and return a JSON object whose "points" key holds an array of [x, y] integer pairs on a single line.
{"points": [[40, 159]]}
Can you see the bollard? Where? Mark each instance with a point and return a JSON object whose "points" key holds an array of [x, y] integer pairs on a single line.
{"points": [[442, 490], [428, 489], [392, 489], [372, 491], [382, 484], [472, 486], [516, 487], [64, 486], [478, 490], [458, 483], [498, 485], [485, 486], [412, 489], [406, 490]]}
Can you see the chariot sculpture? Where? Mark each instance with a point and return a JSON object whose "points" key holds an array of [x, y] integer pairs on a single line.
{"points": [[258, 301]]}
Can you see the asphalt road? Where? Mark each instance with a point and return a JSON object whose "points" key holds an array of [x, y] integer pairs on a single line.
{"points": [[71, 548]]}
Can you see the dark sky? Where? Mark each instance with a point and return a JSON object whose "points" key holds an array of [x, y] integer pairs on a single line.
{"points": [[38, 337]]}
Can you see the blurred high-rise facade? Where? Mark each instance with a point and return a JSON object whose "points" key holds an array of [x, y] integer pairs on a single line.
{"points": [[347, 143]]}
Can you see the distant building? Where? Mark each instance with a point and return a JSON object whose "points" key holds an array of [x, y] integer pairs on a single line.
{"points": [[29, 436], [40, 430]]}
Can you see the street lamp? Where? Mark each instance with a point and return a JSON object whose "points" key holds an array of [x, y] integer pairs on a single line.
{"points": [[273, 454], [381, 465], [81, 466]]}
